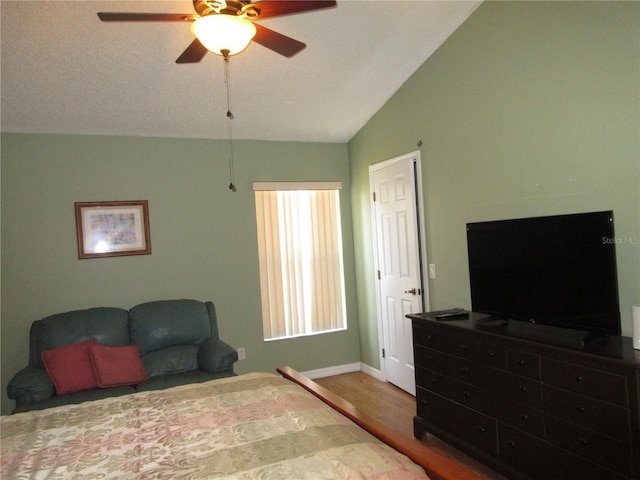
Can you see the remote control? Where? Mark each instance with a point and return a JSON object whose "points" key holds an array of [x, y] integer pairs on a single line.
{"points": [[452, 315]]}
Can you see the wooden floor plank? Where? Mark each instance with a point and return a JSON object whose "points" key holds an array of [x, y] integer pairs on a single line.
{"points": [[396, 408]]}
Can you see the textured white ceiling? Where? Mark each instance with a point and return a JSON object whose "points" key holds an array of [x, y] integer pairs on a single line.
{"points": [[64, 71]]}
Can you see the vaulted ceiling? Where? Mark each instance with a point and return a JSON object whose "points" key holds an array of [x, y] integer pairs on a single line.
{"points": [[64, 71]]}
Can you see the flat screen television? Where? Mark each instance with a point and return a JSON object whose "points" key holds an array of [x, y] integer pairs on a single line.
{"points": [[555, 270]]}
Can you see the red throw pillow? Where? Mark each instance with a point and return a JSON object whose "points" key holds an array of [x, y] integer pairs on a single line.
{"points": [[70, 367], [116, 366]]}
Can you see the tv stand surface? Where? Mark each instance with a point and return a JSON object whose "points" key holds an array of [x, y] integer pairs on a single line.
{"points": [[593, 337], [529, 400], [491, 321]]}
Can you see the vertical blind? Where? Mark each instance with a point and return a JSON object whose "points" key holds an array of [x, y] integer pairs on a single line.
{"points": [[300, 254]]}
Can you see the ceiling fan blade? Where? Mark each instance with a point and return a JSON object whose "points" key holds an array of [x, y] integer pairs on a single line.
{"points": [[276, 8], [277, 42], [193, 54], [146, 17]]}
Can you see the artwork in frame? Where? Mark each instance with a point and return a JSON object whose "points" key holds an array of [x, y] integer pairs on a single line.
{"points": [[112, 229]]}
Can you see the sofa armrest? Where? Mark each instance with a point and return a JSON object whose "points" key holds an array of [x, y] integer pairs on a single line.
{"points": [[30, 385], [216, 356]]}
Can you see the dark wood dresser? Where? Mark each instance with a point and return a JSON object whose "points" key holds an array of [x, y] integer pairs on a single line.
{"points": [[529, 400]]}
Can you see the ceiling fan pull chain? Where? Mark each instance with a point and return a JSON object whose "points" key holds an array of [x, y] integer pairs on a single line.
{"points": [[227, 81]]}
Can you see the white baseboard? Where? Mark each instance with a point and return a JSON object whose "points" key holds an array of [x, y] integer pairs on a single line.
{"points": [[340, 369], [372, 372]]}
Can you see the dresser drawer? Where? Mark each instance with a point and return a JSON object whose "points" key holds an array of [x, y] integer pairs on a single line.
{"points": [[543, 460], [492, 353], [525, 364], [433, 337], [587, 381], [434, 360], [440, 384], [611, 420], [465, 347], [591, 445], [517, 414], [514, 387], [524, 417], [471, 426]]}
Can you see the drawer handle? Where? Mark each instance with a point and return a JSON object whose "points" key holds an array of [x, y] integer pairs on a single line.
{"points": [[491, 353], [522, 363], [524, 417], [523, 389], [432, 358], [430, 337], [579, 378], [584, 442], [465, 369], [513, 444], [425, 403], [433, 380], [581, 409], [482, 429], [467, 394], [463, 347]]}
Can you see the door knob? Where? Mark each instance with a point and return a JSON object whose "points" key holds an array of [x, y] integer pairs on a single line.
{"points": [[413, 291]]}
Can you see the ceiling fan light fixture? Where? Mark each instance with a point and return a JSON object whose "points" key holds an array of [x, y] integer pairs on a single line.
{"points": [[222, 32]]}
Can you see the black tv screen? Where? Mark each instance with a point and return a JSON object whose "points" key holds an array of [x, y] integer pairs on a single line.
{"points": [[556, 270]]}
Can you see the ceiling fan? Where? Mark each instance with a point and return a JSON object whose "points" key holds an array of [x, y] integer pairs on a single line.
{"points": [[225, 18]]}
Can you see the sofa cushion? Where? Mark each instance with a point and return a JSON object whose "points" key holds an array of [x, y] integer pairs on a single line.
{"points": [[108, 325], [176, 359], [117, 366], [70, 367], [166, 323]]}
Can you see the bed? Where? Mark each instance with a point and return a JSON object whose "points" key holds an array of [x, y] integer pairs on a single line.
{"points": [[256, 425]]}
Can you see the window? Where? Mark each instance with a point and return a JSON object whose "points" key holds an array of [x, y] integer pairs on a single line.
{"points": [[300, 253]]}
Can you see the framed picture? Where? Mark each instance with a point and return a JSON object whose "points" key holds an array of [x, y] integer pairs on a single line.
{"points": [[112, 229]]}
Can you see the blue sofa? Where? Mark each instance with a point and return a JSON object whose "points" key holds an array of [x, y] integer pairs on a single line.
{"points": [[178, 343]]}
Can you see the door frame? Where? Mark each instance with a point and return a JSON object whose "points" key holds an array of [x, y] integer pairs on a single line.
{"points": [[421, 243]]}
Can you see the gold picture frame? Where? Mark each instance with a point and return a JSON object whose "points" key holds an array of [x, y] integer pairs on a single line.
{"points": [[113, 229]]}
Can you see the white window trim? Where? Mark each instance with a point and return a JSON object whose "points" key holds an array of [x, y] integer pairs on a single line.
{"points": [[270, 186]]}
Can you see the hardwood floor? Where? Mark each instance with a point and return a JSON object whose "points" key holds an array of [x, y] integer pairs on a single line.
{"points": [[396, 408]]}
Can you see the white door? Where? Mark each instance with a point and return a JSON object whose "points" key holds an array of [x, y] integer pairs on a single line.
{"points": [[398, 262]]}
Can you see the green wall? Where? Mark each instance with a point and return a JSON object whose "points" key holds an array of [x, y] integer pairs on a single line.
{"points": [[528, 109], [203, 236]]}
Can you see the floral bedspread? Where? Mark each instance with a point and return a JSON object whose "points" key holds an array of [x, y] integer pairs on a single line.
{"points": [[256, 425]]}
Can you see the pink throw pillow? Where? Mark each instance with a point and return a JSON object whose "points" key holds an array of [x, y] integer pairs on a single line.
{"points": [[70, 367], [117, 366]]}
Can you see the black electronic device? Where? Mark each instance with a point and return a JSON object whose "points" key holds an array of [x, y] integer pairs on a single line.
{"points": [[452, 314], [556, 270]]}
